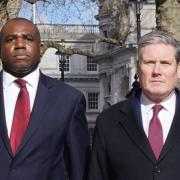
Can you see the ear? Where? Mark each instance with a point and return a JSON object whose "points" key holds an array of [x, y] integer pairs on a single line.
{"points": [[42, 50]]}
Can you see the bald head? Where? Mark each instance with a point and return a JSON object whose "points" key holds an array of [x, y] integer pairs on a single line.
{"points": [[20, 47], [14, 22]]}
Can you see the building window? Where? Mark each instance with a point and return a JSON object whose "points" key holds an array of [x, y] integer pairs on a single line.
{"points": [[91, 65], [66, 63], [92, 101]]}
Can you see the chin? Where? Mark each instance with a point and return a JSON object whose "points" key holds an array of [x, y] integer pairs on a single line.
{"points": [[157, 92], [22, 72], [159, 95]]}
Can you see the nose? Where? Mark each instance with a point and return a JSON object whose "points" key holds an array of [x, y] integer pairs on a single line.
{"points": [[20, 43], [156, 69]]}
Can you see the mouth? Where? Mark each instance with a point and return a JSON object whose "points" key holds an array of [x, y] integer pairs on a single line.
{"points": [[20, 56], [157, 81], [19, 53]]}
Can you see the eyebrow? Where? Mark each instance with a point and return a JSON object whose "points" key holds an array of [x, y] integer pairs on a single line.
{"points": [[15, 36]]}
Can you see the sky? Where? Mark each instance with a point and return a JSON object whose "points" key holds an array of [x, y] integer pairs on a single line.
{"points": [[81, 12]]}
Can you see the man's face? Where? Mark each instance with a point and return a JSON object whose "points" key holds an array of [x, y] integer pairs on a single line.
{"points": [[20, 48], [158, 71]]}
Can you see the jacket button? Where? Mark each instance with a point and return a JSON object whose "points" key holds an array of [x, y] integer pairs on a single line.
{"points": [[157, 170]]}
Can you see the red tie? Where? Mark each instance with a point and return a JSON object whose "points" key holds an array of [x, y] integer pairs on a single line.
{"points": [[155, 134], [21, 116]]}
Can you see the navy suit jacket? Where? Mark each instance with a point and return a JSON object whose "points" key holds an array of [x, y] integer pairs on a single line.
{"points": [[56, 142], [121, 150]]}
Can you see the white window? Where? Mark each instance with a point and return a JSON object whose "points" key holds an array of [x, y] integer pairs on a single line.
{"points": [[93, 100], [91, 65], [65, 60]]}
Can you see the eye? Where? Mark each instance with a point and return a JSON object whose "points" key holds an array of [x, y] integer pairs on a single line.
{"points": [[9, 38], [164, 62], [149, 62], [28, 37]]}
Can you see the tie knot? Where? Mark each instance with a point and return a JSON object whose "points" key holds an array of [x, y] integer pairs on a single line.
{"points": [[20, 82], [157, 108]]}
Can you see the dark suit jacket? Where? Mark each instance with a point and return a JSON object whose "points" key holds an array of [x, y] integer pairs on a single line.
{"points": [[121, 150], [56, 141]]}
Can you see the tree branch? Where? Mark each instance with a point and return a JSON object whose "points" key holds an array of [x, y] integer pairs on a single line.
{"points": [[69, 50]]}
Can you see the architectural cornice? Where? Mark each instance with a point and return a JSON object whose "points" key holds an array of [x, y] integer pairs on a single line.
{"points": [[121, 50]]}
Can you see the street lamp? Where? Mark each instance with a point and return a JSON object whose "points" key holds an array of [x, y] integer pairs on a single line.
{"points": [[62, 61], [138, 4], [62, 58]]}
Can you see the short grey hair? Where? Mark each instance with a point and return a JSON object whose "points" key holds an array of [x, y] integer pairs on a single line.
{"points": [[159, 37]]}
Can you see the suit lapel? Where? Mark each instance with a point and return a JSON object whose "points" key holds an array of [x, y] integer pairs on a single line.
{"points": [[132, 123], [174, 133], [42, 100], [3, 127]]}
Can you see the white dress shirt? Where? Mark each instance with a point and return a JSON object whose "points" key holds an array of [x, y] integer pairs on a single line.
{"points": [[166, 115], [11, 91]]}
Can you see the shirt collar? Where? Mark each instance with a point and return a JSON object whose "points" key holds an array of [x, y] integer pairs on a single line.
{"points": [[147, 104], [32, 78]]}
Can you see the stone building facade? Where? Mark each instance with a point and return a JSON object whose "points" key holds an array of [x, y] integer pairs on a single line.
{"points": [[117, 64], [79, 71]]}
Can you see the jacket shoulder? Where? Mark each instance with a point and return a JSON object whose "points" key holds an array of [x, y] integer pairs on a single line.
{"points": [[59, 85], [113, 113]]}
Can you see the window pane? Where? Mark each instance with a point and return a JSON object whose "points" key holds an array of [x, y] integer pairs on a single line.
{"points": [[91, 64], [66, 63], [92, 100]]}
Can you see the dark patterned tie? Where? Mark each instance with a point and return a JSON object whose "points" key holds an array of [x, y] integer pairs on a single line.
{"points": [[155, 133], [21, 116]]}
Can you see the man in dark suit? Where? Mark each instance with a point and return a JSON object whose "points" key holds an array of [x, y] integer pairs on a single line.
{"points": [[139, 138], [54, 144]]}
